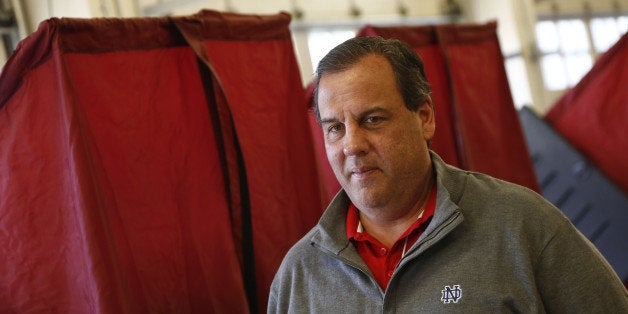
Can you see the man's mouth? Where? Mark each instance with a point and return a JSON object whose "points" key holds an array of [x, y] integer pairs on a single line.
{"points": [[362, 171]]}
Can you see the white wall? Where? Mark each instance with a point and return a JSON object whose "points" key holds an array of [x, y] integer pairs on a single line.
{"points": [[314, 10], [36, 11], [501, 11]]}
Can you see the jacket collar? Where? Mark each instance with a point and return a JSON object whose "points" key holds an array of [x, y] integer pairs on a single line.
{"points": [[331, 232]]}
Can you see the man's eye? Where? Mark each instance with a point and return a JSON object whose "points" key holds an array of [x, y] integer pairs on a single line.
{"points": [[334, 128], [373, 119]]}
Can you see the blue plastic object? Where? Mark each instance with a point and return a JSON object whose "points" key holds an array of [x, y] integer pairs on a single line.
{"points": [[593, 203]]}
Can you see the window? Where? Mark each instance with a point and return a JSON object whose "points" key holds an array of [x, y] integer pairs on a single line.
{"points": [[605, 32], [568, 47], [9, 32], [518, 81], [320, 42]]}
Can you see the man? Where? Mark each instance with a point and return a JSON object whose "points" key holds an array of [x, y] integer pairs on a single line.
{"points": [[408, 233]]}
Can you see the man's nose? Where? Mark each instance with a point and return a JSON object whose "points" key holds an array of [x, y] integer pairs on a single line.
{"points": [[355, 142]]}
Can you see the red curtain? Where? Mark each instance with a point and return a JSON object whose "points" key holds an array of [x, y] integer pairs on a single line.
{"points": [[152, 165], [593, 115]]}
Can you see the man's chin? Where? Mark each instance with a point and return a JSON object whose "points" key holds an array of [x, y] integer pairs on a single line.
{"points": [[364, 198]]}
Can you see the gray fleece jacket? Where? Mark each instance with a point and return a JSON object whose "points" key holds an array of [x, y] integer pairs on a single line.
{"points": [[491, 247]]}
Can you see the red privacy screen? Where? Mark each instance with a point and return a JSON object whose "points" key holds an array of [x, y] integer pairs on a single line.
{"points": [[592, 115], [152, 165]]}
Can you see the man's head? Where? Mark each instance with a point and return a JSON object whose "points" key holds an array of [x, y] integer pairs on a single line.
{"points": [[376, 145], [406, 64]]}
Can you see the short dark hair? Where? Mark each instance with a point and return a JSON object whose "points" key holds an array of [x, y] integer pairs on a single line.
{"points": [[406, 64]]}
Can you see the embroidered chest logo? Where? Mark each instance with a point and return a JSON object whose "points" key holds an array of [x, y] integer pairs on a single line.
{"points": [[450, 294]]}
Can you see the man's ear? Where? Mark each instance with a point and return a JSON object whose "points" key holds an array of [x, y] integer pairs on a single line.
{"points": [[428, 118]]}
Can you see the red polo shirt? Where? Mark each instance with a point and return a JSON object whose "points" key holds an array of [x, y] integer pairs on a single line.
{"points": [[380, 259]]}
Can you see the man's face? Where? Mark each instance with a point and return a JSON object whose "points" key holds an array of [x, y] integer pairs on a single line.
{"points": [[375, 145]]}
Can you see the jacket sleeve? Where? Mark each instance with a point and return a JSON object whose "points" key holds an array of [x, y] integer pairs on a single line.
{"points": [[273, 297], [281, 289], [573, 277], [273, 307]]}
